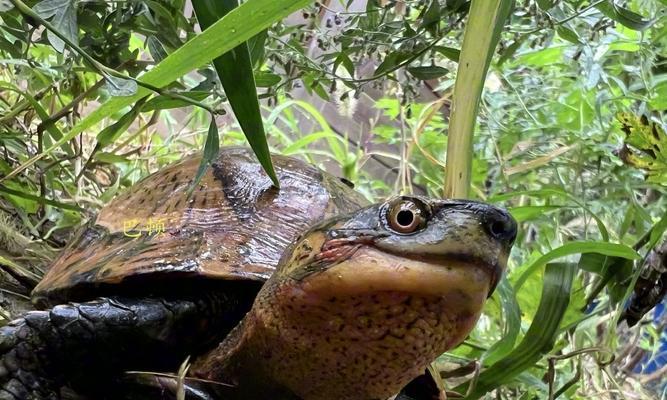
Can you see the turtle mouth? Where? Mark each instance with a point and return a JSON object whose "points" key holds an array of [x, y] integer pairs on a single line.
{"points": [[370, 269], [494, 269]]}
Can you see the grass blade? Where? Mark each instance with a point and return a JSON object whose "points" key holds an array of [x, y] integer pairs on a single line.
{"points": [[40, 200], [577, 247], [540, 337], [238, 26], [236, 74], [512, 316], [211, 150]]}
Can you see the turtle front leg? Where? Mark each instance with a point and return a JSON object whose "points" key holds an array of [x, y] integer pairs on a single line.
{"points": [[87, 345], [23, 373]]}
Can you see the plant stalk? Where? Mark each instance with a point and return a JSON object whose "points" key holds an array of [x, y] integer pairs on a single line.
{"points": [[482, 32]]}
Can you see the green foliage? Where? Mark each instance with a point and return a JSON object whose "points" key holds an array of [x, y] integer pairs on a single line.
{"points": [[588, 193]]}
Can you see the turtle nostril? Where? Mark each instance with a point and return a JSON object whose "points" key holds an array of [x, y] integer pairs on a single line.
{"points": [[501, 226], [497, 228]]}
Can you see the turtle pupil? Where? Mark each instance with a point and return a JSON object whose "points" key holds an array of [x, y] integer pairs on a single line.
{"points": [[405, 218]]}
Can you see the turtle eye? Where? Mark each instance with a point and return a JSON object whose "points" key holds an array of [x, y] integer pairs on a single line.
{"points": [[406, 217]]}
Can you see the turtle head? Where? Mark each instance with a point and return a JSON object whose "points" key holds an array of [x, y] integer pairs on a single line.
{"points": [[408, 238], [375, 296]]}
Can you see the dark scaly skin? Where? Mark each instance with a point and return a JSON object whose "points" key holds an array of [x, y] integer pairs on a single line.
{"points": [[87, 344]]}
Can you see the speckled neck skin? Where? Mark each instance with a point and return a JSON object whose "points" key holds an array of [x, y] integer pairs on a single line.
{"points": [[360, 345]]}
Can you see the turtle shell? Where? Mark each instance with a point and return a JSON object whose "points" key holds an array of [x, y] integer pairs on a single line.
{"points": [[233, 226]]}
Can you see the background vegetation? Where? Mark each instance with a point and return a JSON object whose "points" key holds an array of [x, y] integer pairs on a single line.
{"points": [[570, 137]]}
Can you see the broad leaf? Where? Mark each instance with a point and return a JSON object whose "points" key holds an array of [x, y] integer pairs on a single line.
{"points": [[266, 79], [63, 17], [428, 72], [449, 52], [166, 102], [546, 4]]}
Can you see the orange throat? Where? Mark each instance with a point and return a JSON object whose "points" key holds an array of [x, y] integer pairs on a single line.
{"points": [[365, 327], [360, 330], [359, 347]]}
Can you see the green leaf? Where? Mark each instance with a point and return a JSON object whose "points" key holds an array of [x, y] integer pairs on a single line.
{"points": [[166, 102], [449, 52], [540, 58], [431, 17], [540, 337], [624, 16], [645, 146], [156, 49], [249, 19], [36, 199], [11, 48], [110, 158], [303, 142], [595, 262], [53, 130], [266, 79], [546, 4], [428, 72], [657, 231], [236, 74], [63, 17], [256, 48], [568, 34], [120, 87], [391, 61], [113, 131], [578, 247], [211, 151], [344, 59]]}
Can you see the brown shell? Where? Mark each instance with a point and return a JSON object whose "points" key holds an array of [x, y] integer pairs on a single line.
{"points": [[235, 225]]}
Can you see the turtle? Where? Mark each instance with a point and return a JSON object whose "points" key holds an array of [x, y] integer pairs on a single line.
{"points": [[303, 292]]}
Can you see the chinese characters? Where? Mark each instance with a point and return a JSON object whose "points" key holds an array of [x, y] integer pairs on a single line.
{"points": [[134, 228]]}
